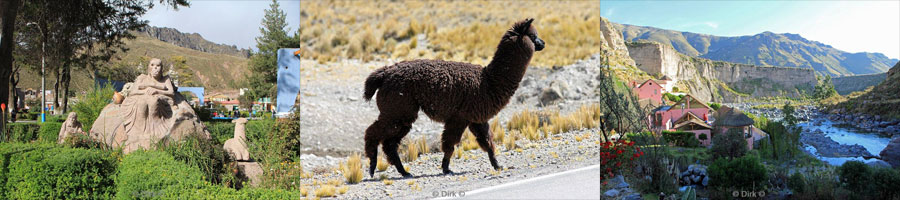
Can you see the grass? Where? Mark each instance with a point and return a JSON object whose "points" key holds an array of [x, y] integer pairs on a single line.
{"points": [[466, 31], [412, 151], [325, 191], [382, 164], [387, 182], [497, 131], [352, 170]]}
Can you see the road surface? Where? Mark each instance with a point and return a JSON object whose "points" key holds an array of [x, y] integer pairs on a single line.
{"points": [[582, 183]]}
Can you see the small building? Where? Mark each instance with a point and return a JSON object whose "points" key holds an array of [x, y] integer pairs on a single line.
{"points": [[728, 118], [691, 123], [650, 89], [664, 117]]}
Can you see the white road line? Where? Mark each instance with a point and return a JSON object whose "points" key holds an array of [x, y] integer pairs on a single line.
{"points": [[505, 185]]}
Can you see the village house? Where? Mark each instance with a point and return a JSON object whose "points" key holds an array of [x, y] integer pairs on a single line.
{"points": [[728, 118], [664, 117], [650, 89]]}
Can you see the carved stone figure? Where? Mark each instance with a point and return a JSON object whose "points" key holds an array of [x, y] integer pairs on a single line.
{"points": [[237, 146], [151, 110], [69, 128]]}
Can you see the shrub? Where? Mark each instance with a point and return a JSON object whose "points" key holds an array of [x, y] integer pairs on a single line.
{"points": [[681, 138], [220, 131], [618, 155], [654, 172], [797, 183], [274, 141], [854, 175], [714, 106], [745, 173], [33, 171], [21, 132], [884, 183], [702, 136], [729, 145], [199, 153], [49, 131], [91, 103], [145, 174]]}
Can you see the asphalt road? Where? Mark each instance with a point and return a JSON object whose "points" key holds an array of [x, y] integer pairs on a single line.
{"points": [[582, 183]]}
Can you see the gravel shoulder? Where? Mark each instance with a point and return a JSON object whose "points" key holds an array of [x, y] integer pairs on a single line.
{"points": [[334, 118]]}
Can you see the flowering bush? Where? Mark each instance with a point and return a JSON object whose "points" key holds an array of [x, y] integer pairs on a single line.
{"points": [[617, 155]]}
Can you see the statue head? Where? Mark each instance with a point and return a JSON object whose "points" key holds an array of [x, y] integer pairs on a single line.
{"points": [[155, 68], [73, 116]]}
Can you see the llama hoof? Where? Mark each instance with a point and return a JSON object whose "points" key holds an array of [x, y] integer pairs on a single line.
{"points": [[448, 172], [407, 175]]}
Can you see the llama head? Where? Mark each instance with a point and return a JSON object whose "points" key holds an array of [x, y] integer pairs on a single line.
{"points": [[240, 121], [524, 34]]}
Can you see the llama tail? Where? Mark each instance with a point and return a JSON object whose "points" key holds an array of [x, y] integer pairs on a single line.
{"points": [[373, 82]]}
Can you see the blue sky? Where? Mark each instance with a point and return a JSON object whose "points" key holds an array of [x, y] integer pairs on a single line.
{"points": [[226, 22], [853, 26]]}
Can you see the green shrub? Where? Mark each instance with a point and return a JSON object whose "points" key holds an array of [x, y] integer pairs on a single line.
{"points": [[703, 136], [656, 163], [48, 171], [884, 183], [149, 174], [854, 175], [274, 140], [91, 103], [201, 154], [220, 131], [681, 138], [56, 118], [797, 183], [157, 175], [729, 145], [49, 131], [744, 173], [714, 106], [21, 132]]}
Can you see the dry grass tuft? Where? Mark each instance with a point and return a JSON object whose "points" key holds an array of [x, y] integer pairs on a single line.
{"points": [[423, 145], [352, 170], [510, 140], [412, 151], [497, 131], [382, 164], [468, 141], [343, 190], [523, 119], [325, 191], [388, 182]]}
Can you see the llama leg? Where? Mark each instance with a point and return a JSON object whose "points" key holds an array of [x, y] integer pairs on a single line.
{"points": [[372, 138], [482, 134], [390, 148], [452, 132]]}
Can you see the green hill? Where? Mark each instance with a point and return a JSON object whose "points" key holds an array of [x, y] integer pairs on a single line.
{"points": [[767, 48], [882, 100], [216, 72]]}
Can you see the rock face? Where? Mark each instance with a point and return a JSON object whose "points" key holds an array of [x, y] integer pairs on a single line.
{"points": [[237, 146], [891, 153], [193, 41], [720, 81], [612, 45], [69, 128], [153, 110], [827, 147]]}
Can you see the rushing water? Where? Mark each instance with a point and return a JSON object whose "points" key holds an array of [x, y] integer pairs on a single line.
{"points": [[874, 143]]}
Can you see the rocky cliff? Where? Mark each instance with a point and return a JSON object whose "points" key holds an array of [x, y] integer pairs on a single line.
{"points": [[847, 84], [612, 45], [720, 81], [193, 41]]}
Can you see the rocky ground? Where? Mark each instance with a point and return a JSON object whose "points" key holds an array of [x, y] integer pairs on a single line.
{"points": [[334, 118]]}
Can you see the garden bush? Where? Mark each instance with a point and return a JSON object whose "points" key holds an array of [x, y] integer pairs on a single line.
{"points": [[49, 131], [20, 132], [869, 183], [654, 171], [220, 131], [91, 103], [48, 171], [274, 140], [729, 145], [854, 175], [743, 173], [200, 153], [681, 138]]}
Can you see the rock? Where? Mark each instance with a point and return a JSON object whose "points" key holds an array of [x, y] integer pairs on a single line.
{"points": [[879, 163], [252, 170], [695, 179], [891, 153], [550, 95], [618, 182], [633, 196], [611, 193], [237, 147], [69, 128], [683, 188], [153, 109], [705, 181]]}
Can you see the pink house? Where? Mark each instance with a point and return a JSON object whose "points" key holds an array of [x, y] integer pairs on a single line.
{"points": [[729, 118], [691, 123], [650, 89], [665, 116]]}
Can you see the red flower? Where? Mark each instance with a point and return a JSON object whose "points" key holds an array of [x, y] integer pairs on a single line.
{"points": [[618, 164], [619, 152]]}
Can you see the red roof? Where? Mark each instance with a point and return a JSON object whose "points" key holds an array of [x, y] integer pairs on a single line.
{"points": [[229, 102]]}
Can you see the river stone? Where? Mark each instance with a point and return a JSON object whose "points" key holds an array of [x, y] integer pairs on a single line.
{"points": [[891, 153]]}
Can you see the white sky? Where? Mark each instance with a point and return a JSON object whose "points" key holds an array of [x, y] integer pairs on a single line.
{"points": [[225, 22]]}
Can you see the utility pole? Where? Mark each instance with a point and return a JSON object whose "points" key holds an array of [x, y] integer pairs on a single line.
{"points": [[43, 73]]}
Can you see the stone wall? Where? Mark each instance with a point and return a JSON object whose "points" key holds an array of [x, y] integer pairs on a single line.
{"points": [[720, 81]]}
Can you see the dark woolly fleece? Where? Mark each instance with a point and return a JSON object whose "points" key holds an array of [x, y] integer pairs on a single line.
{"points": [[458, 94]]}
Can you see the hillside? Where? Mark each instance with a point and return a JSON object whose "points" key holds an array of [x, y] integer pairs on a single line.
{"points": [[847, 84], [882, 100], [216, 72], [193, 41], [767, 48]]}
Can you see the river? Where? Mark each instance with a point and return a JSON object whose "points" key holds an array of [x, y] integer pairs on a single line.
{"points": [[843, 134]]}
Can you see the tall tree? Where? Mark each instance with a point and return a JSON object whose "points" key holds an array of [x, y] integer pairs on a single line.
{"points": [[8, 10], [263, 63], [181, 72]]}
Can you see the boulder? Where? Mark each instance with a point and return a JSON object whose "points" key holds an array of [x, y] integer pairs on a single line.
{"points": [[891, 153]]}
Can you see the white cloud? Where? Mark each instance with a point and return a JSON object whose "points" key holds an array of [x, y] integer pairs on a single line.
{"points": [[712, 24], [610, 12]]}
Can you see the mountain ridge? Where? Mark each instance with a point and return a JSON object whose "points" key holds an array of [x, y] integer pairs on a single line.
{"points": [[765, 49], [192, 41]]}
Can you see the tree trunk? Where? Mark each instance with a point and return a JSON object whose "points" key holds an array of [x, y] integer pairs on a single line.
{"points": [[14, 81], [56, 92], [67, 77], [10, 9]]}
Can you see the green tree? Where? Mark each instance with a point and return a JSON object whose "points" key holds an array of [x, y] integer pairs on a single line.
{"points": [[732, 144], [788, 111], [263, 63], [824, 89], [183, 75]]}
